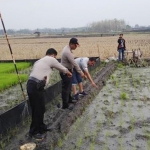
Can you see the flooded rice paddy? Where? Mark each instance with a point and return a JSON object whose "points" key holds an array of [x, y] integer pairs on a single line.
{"points": [[14, 95], [118, 118]]}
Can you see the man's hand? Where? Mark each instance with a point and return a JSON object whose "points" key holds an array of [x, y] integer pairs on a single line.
{"points": [[94, 85], [82, 75], [85, 77], [69, 74]]}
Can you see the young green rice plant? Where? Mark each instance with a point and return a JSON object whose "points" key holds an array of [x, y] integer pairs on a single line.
{"points": [[121, 145], [120, 65], [112, 77], [2, 145], [123, 96], [60, 143], [133, 119], [148, 143], [92, 145], [79, 142], [106, 142]]}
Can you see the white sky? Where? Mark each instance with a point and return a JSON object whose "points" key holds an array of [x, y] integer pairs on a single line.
{"points": [[33, 14]]}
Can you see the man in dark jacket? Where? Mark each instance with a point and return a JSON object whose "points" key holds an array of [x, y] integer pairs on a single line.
{"points": [[121, 48]]}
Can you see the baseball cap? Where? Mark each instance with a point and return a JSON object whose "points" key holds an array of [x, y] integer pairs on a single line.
{"points": [[74, 41]]}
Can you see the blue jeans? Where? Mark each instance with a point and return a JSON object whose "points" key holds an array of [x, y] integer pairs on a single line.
{"points": [[121, 54], [76, 78]]}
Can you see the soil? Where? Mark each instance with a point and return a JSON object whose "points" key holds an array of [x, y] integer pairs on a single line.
{"points": [[14, 95], [114, 116], [59, 119]]}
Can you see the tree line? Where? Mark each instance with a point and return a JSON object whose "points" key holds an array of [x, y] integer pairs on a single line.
{"points": [[104, 26]]}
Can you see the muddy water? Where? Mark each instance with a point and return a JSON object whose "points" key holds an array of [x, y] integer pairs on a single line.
{"points": [[118, 118], [14, 95]]}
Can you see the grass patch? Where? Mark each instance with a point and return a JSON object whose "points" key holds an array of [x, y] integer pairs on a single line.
{"points": [[8, 80], [123, 95], [9, 67], [8, 76]]}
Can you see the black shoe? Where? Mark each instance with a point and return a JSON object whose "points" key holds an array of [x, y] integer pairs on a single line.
{"points": [[76, 97], [39, 136], [83, 93], [49, 129], [71, 106]]}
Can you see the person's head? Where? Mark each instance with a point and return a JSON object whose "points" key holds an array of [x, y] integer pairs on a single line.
{"points": [[51, 52], [121, 35], [92, 61], [73, 43]]}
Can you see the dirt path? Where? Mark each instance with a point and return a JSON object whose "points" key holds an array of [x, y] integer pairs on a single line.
{"points": [[118, 118]]}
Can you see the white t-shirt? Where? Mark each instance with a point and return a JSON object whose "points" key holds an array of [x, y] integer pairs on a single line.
{"points": [[82, 62]]}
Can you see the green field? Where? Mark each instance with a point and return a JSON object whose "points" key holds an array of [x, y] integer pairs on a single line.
{"points": [[8, 76], [9, 67]]}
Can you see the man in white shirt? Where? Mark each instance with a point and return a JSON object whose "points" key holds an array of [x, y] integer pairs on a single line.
{"points": [[38, 78], [83, 63]]}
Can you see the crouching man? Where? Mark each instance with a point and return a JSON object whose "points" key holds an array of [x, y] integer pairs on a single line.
{"points": [[76, 79]]}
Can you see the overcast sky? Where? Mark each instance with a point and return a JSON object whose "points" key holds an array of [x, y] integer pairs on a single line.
{"points": [[33, 14]]}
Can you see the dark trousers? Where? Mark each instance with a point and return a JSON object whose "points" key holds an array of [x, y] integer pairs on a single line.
{"points": [[66, 90], [36, 99]]}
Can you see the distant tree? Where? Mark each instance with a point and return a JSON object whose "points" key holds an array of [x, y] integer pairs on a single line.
{"points": [[128, 27], [106, 26], [136, 26], [37, 33]]}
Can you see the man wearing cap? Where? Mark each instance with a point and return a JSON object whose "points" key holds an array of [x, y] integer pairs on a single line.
{"points": [[35, 88], [67, 60]]}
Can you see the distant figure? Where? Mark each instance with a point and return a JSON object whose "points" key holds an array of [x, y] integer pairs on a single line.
{"points": [[121, 48]]}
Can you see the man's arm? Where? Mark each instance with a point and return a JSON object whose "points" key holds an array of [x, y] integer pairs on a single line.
{"points": [[124, 44], [60, 67], [90, 78], [76, 66]]}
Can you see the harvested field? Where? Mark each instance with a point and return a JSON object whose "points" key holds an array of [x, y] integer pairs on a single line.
{"points": [[89, 46]]}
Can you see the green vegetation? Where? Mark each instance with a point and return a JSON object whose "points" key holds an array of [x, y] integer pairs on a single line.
{"points": [[123, 95], [8, 80], [8, 76], [9, 67]]}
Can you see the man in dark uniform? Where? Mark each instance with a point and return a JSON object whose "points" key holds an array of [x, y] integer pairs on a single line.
{"points": [[38, 78]]}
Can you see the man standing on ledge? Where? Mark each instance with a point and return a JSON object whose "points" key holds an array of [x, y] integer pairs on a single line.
{"points": [[35, 88], [67, 60]]}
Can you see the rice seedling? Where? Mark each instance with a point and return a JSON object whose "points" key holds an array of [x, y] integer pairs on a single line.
{"points": [[123, 96]]}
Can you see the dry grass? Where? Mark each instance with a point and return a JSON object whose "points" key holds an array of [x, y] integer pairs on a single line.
{"points": [[89, 46]]}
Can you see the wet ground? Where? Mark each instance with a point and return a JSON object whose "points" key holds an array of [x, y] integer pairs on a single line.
{"points": [[118, 118], [14, 95]]}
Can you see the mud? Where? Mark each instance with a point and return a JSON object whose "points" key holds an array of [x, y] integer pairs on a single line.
{"points": [[14, 95], [118, 118], [61, 120]]}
